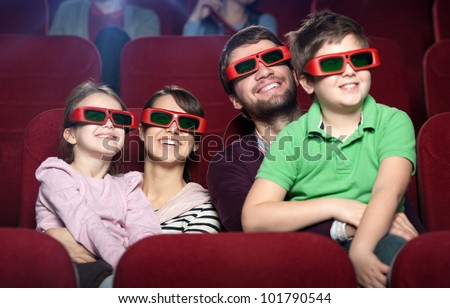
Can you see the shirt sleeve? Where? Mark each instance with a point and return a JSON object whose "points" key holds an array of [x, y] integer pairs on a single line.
{"points": [[60, 193], [206, 221], [192, 28], [229, 182], [141, 220], [398, 138]]}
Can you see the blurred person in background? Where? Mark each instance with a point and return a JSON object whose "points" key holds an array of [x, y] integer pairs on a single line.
{"points": [[110, 24], [211, 17]]}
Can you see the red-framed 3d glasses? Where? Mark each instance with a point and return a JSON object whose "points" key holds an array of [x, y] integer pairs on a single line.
{"points": [[360, 59], [250, 64], [99, 116], [164, 118]]}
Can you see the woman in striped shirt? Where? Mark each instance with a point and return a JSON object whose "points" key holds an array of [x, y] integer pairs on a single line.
{"points": [[171, 126]]}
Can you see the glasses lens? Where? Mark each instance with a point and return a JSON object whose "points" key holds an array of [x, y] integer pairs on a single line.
{"points": [[95, 115], [245, 67], [188, 123], [122, 119], [272, 56], [362, 59], [331, 64], [160, 118]]}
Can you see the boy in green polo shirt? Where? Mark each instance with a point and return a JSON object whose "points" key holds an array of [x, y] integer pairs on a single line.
{"points": [[348, 158]]}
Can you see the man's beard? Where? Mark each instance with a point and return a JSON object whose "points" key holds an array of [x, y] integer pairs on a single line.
{"points": [[277, 106]]}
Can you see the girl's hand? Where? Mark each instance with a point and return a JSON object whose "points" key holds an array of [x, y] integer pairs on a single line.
{"points": [[77, 252]]}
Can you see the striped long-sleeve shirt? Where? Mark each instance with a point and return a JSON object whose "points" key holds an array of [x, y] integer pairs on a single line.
{"points": [[200, 219]]}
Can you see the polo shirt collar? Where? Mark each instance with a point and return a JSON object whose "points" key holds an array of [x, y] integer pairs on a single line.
{"points": [[314, 123]]}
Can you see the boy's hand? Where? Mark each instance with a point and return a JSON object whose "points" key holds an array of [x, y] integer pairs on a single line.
{"points": [[370, 271]]}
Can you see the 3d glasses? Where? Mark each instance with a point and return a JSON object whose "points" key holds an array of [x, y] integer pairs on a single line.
{"points": [[99, 116], [164, 118], [250, 64], [360, 59]]}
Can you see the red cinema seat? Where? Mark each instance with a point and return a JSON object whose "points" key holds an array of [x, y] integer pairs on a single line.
{"points": [[423, 262], [436, 76], [389, 85], [32, 259], [433, 171], [441, 20], [28, 17], [235, 260], [36, 73], [41, 140]]}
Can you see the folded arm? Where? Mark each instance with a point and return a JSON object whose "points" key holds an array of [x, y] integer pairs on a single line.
{"points": [[265, 210], [389, 189]]}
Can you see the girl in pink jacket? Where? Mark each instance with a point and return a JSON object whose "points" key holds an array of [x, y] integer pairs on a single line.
{"points": [[104, 212]]}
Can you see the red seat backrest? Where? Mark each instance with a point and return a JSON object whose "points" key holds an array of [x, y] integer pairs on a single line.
{"points": [[423, 262], [36, 73], [441, 20], [389, 85], [433, 170], [32, 259], [436, 76], [235, 260], [41, 140]]}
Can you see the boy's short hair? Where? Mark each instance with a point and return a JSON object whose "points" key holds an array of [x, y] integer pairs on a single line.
{"points": [[247, 36], [320, 28]]}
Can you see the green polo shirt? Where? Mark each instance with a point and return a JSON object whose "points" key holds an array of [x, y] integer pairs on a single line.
{"points": [[310, 164]]}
